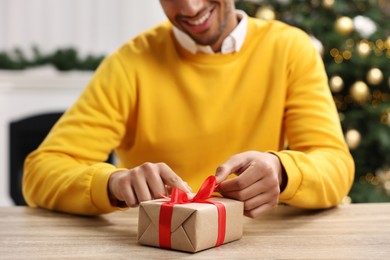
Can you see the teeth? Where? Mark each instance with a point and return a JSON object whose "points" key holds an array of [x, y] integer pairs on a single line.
{"points": [[200, 20]]}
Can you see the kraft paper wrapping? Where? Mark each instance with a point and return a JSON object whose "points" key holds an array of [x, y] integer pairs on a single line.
{"points": [[194, 226]]}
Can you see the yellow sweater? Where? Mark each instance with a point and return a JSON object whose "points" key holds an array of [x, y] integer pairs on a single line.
{"points": [[152, 101]]}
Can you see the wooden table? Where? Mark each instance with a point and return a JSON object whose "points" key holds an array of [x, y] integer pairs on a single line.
{"points": [[357, 231]]}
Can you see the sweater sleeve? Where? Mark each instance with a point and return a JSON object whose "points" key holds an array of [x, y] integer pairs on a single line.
{"points": [[318, 164], [66, 172]]}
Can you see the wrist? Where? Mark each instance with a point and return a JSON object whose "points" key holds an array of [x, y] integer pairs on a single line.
{"points": [[282, 179], [113, 200], [282, 175]]}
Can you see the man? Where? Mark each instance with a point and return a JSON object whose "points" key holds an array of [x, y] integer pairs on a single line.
{"points": [[211, 92]]}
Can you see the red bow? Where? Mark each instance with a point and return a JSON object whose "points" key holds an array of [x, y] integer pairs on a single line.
{"points": [[180, 197]]}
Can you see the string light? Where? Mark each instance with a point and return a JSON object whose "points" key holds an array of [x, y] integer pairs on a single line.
{"points": [[385, 118], [369, 177], [347, 55], [387, 43], [380, 44], [363, 48], [339, 59], [349, 43], [383, 177], [334, 52], [378, 52]]}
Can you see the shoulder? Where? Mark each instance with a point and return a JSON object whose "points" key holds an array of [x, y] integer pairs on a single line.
{"points": [[279, 32], [281, 39], [150, 40], [144, 47]]}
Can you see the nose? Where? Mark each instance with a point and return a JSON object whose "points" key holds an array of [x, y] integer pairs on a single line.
{"points": [[190, 7]]}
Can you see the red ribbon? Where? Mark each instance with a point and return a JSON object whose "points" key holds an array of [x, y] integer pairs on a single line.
{"points": [[180, 197]]}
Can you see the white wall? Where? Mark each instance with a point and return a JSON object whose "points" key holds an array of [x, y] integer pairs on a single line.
{"points": [[92, 26]]}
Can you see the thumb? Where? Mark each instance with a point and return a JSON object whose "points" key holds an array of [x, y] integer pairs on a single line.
{"points": [[222, 172]]}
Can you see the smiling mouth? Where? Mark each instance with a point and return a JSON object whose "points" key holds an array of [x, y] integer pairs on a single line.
{"points": [[201, 20]]}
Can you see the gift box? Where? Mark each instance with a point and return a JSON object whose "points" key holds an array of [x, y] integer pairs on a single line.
{"points": [[190, 225]]}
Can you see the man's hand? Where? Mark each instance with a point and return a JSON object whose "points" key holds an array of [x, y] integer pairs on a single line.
{"points": [[145, 182], [258, 182]]}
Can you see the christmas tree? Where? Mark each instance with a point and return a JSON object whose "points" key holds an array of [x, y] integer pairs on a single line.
{"points": [[353, 38]]}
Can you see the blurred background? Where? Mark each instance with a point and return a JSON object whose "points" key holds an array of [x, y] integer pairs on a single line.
{"points": [[352, 36], [39, 28], [48, 52]]}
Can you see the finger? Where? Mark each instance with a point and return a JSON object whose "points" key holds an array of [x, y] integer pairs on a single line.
{"points": [[121, 189], [156, 185], [247, 193], [261, 199], [259, 210], [168, 190], [141, 189], [127, 195], [188, 186], [247, 178], [170, 178]]}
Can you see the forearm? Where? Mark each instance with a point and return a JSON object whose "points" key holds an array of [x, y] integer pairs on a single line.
{"points": [[317, 179], [66, 172], [59, 182]]}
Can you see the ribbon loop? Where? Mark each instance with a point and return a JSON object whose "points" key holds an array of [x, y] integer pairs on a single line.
{"points": [[180, 197], [206, 190]]}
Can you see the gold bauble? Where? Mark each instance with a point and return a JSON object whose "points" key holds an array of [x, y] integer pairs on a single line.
{"points": [[328, 4], [353, 138], [344, 25], [336, 84], [374, 76], [266, 13], [360, 91], [363, 48], [387, 43]]}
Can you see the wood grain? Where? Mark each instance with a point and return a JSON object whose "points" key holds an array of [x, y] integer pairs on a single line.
{"points": [[356, 231]]}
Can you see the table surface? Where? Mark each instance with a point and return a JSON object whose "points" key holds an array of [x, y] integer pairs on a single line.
{"points": [[356, 231]]}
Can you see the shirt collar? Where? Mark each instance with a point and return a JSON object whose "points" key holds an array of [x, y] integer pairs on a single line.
{"points": [[232, 43]]}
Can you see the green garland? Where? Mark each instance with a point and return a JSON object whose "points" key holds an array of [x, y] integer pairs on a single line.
{"points": [[63, 59]]}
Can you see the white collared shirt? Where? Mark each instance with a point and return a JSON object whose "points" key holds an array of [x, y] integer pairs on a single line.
{"points": [[232, 43]]}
